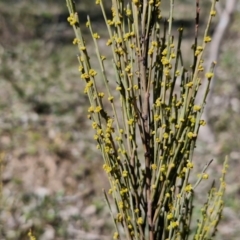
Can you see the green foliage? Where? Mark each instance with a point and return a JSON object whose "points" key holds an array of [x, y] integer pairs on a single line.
{"points": [[147, 127]]}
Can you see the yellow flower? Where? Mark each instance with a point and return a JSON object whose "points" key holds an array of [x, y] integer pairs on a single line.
{"points": [[213, 13], [97, 109], [165, 135], [30, 235], [154, 166], [116, 235], [126, 36], [91, 109], [120, 205], [128, 12], [173, 225], [164, 52], [125, 173], [207, 39], [196, 107], [130, 226], [71, 19], [164, 60], [150, 51], [128, 68], [190, 135], [103, 57], [109, 22], [188, 188], [158, 102], [153, 186], [189, 165], [101, 94], [109, 42], [119, 217], [80, 68], [85, 76], [107, 168], [83, 48], [100, 132], [130, 121], [92, 72], [135, 87], [75, 41], [200, 68], [136, 210], [177, 73], [96, 36], [123, 191], [205, 176], [163, 168], [110, 98], [202, 123], [94, 125], [171, 165], [199, 49], [209, 75], [169, 216], [140, 221]]}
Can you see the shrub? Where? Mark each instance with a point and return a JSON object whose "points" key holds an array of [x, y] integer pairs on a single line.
{"points": [[147, 131]]}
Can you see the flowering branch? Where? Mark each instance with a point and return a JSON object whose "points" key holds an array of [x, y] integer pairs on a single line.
{"points": [[149, 180]]}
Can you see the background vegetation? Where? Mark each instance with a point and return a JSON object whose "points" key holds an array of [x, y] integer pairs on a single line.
{"points": [[50, 168]]}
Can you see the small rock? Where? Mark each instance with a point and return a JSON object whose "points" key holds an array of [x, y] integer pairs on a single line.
{"points": [[49, 234], [42, 192], [69, 212], [90, 210]]}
